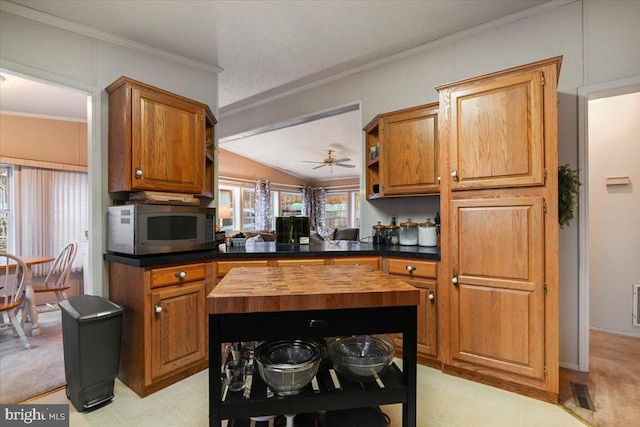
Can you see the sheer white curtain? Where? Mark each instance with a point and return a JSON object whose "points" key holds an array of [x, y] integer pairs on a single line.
{"points": [[54, 212], [263, 205]]}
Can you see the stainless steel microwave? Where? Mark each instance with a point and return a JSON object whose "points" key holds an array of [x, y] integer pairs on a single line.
{"points": [[153, 229]]}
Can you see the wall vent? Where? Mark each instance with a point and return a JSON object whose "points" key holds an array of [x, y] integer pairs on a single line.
{"points": [[636, 305]]}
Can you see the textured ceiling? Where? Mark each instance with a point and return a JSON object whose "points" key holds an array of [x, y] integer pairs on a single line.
{"points": [[19, 95], [270, 47]]}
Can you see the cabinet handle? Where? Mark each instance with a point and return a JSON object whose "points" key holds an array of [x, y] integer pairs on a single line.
{"points": [[138, 173], [181, 275], [454, 280], [410, 268], [158, 308], [318, 323], [454, 175], [432, 296]]}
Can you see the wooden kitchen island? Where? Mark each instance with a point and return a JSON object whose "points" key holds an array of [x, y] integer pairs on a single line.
{"points": [[273, 303]]}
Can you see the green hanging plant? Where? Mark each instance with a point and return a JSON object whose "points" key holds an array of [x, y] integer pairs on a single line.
{"points": [[568, 190]]}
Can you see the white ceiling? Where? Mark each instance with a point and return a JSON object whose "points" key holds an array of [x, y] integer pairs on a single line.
{"points": [[268, 47]]}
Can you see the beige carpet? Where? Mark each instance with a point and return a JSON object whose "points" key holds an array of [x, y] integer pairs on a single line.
{"points": [[26, 373]]}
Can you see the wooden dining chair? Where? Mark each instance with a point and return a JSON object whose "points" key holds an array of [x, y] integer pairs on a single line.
{"points": [[57, 280], [13, 276]]}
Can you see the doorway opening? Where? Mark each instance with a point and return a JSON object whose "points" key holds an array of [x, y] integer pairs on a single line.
{"points": [[46, 140], [606, 153]]}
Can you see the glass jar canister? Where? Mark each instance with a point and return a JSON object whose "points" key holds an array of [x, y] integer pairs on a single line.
{"points": [[427, 235], [393, 238], [409, 233], [379, 234]]}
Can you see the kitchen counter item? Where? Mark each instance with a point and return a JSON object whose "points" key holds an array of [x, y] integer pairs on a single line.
{"points": [[288, 366], [379, 232], [361, 358], [393, 237], [408, 233], [427, 234]]}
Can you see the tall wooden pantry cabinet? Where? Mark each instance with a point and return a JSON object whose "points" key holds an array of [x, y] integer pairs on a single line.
{"points": [[498, 274]]}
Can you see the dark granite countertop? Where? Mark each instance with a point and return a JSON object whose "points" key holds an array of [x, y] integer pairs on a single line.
{"points": [[264, 250]]}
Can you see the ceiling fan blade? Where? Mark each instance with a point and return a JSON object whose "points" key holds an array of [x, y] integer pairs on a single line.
{"points": [[323, 165], [346, 159], [345, 166], [309, 161]]}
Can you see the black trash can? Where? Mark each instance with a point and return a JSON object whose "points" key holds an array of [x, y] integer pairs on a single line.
{"points": [[91, 331]]}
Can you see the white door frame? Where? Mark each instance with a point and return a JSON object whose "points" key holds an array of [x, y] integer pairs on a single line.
{"points": [[96, 266], [586, 93]]}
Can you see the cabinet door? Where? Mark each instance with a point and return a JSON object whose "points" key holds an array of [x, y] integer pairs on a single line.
{"points": [[177, 328], [168, 137], [427, 320], [300, 262], [498, 296], [409, 153], [370, 261], [496, 133]]}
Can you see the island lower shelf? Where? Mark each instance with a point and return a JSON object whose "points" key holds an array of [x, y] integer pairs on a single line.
{"points": [[398, 386], [322, 393]]}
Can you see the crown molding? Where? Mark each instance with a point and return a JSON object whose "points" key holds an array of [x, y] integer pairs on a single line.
{"points": [[45, 18], [43, 116]]}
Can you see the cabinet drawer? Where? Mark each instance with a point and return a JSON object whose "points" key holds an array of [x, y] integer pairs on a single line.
{"points": [[370, 261], [225, 266], [176, 274], [300, 262], [412, 267]]}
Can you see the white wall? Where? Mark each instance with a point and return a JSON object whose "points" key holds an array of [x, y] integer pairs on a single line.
{"points": [[614, 211], [599, 41], [44, 47]]}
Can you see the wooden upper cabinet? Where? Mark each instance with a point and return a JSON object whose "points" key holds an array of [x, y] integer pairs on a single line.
{"points": [[157, 141], [496, 132], [410, 152], [407, 162]]}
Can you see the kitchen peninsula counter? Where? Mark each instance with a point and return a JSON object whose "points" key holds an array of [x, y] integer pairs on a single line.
{"points": [[312, 302], [268, 250]]}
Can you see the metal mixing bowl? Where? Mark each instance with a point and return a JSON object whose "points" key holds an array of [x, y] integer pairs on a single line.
{"points": [[361, 357], [288, 366]]}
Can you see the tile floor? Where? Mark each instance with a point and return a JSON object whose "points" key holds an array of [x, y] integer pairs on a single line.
{"points": [[443, 400]]}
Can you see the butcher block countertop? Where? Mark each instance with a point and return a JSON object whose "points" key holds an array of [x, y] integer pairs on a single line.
{"points": [[323, 287]]}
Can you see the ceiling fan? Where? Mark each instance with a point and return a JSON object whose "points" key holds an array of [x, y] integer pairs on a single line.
{"points": [[331, 162]]}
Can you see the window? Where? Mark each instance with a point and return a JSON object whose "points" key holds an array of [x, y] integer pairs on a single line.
{"points": [[5, 208], [337, 210], [290, 204], [236, 207], [355, 208], [225, 209], [248, 209]]}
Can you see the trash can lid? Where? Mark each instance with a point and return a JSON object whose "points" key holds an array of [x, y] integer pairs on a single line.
{"points": [[88, 307]]}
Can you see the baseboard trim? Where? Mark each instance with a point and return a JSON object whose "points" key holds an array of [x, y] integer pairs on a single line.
{"points": [[545, 396], [567, 365], [609, 331]]}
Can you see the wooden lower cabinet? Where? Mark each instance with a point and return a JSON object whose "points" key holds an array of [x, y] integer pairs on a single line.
{"points": [[368, 260], [177, 332], [421, 274], [164, 323]]}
